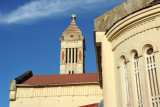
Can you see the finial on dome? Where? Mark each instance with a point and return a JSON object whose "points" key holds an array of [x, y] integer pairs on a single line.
{"points": [[73, 16]]}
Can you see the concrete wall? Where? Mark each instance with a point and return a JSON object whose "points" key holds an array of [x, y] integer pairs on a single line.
{"points": [[105, 21], [109, 89], [62, 96]]}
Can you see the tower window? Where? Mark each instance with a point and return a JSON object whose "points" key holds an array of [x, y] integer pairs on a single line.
{"points": [[66, 55], [73, 55], [76, 54], [69, 55]]}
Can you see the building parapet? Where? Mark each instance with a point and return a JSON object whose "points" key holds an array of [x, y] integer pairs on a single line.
{"points": [[107, 20], [18, 80]]}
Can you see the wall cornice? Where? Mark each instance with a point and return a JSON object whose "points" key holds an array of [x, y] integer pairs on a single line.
{"points": [[134, 24], [105, 21], [65, 84]]}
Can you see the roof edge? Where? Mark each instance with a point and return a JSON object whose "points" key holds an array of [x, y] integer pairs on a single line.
{"points": [[90, 105], [64, 84]]}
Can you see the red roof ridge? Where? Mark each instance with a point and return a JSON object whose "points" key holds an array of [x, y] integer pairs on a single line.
{"points": [[66, 74]]}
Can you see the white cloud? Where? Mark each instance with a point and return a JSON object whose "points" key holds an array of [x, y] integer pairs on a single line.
{"points": [[45, 8]]}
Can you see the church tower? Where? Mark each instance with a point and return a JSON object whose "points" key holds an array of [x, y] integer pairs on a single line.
{"points": [[72, 49]]}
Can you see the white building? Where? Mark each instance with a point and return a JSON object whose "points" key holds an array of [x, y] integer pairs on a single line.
{"points": [[127, 42]]}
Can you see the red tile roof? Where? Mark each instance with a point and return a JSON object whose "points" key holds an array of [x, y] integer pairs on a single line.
{"points": [[90, 105], [62, 79], [73, 28]]}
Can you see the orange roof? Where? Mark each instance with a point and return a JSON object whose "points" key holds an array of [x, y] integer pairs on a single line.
{"points": [[90, 105], [62, 79], [73, 28]]}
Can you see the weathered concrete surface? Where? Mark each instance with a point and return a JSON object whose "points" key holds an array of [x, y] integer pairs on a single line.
{"points": [[106, 20]]}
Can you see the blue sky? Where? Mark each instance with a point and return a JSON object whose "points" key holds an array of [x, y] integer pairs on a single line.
{"points": [[30, 33]]}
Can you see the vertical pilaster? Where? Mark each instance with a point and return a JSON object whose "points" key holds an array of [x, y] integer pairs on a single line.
{"points": [[12, 94], [109, 87], [119, 86], [131, 84], [157, 61]]}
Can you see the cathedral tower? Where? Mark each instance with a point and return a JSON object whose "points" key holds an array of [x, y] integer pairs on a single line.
{"points": [[72, 49]]}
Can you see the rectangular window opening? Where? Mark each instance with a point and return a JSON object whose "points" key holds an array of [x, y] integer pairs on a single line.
{"points": [[69, 55], [76, 54], [66, 55], [73, 56]]}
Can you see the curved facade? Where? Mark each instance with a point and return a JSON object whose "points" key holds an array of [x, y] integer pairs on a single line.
{"points": [[130, 59]]}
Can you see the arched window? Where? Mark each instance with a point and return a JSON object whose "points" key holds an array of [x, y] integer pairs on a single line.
{"points": [[69, 72], [72, 72], [152, 77], [126, 82], [138, 80]]}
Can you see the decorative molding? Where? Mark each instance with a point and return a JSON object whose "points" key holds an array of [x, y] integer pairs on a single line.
{"points": [[80, 55], [64, 84], [63, 56], [132, 30], [140, 56], [156, 51], [133, 25], [146, 44]]}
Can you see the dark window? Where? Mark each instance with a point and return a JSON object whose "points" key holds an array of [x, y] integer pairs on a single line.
{"points": [[73, 55], [136, 56], [66, 55], [76, 54], [69, 55], [149, 51]]}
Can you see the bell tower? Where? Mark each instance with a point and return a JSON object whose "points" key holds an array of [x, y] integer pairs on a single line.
{"points": [[72, 49]]}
